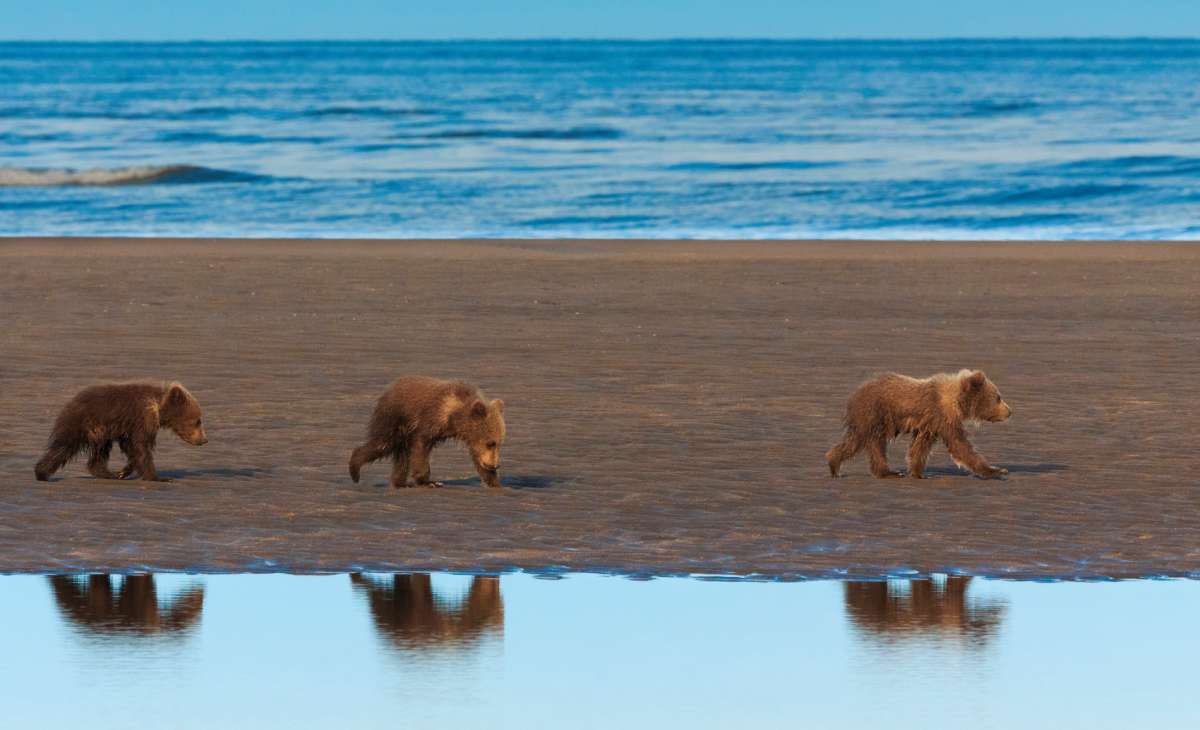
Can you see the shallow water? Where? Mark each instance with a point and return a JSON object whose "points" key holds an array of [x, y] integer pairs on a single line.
{"points": [[715, 139], [593, 651]]}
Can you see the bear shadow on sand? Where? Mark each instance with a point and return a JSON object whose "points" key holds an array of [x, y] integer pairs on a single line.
{"points": [[516, 481], [223, 473], [954, 471]]}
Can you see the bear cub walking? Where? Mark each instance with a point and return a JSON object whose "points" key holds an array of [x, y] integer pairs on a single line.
{"points": [[416, 414], [129, 414], [930, 409]]}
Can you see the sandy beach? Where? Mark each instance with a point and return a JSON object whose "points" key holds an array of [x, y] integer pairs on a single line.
{"points": [[668, 403]]}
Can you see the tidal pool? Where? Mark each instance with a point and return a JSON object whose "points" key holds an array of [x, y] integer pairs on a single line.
{"points": [[367, 651]]}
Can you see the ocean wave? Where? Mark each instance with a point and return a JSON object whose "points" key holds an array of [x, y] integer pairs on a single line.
{"points": [[978, 108], [46, 112], [968, 223], [22, 138], [39, 112], [995, 107], [373, 111], [741, 166], [200, 136], [282, 111], [588, 220], [1138, 165], [387, 146], [1062, 192], [206, 112], [1020, 196], [569, 133], [21, 177]]}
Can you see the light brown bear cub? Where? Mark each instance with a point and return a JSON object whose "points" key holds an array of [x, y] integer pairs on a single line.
{"points": [[130, 414], [416, 414], [930, 409]]}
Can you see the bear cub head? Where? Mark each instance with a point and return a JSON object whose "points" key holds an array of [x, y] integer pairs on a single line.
{"points": [[979, 399], [180, 412], [483, 433]]}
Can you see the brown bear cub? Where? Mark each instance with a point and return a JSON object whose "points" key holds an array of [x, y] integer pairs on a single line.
{"points": [[130, 414], [415, 414], [929, 409]]}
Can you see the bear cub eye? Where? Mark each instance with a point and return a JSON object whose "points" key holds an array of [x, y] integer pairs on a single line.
{"points": [[491, 444]]}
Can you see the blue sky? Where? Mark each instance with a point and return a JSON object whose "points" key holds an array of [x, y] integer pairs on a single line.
{"points": [[401, 19]]}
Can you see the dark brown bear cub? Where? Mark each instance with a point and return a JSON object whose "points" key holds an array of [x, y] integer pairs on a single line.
{"points": [[415, 414], [130, 414], [929, 409]]}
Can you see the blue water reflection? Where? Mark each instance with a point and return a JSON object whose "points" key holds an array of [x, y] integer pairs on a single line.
{"points": [[369, 651], [922, 610]]}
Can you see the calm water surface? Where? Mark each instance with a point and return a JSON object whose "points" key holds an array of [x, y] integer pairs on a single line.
{"points": [[714, 139], [283, 651]]}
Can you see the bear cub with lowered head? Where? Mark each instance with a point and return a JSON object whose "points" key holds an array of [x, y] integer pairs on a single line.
{"points": [[930, 409], [416, 414], [129, 414]]}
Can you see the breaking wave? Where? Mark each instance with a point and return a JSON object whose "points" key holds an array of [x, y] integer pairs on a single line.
{"points": [[21, 177]]}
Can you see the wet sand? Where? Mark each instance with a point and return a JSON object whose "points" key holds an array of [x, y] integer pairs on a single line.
{"points": [[669, 404]]}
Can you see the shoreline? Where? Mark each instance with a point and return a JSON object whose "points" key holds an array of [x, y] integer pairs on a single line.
{"points": [[669, 404]]}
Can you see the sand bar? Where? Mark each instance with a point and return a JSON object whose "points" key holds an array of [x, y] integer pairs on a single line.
{"points": [[669, 404]]}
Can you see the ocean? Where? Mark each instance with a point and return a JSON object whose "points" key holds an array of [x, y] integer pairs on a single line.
{"points": [[1005, 139]]}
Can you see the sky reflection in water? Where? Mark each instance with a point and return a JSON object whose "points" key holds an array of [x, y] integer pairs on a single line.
{"points": [[591, 651]]}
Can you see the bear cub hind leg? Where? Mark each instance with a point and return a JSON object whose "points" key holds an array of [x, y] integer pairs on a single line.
{"points": [[845, 450], [420, 464], [400, 469], [918, 453], [877, 450], [97, 464]]}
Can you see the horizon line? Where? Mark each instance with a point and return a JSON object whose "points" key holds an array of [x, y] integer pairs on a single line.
{"points": [[618, 39]]}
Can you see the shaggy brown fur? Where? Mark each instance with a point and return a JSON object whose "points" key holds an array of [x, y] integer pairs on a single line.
{"points": [[416, 414], [129, 414], [929, 409]]}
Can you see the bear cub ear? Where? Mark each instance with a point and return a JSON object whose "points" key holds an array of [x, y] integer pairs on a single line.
{"points": [[176, 395], [478, 409], [975, 380], [498, 405]]}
